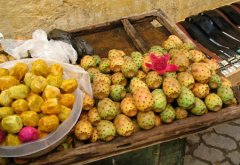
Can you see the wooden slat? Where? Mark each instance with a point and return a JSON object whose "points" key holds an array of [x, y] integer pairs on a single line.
{"points": [[104, 26], [171, 26], [138, 42], [179, 129]]}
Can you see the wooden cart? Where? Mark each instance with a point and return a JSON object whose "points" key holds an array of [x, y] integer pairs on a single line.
{"points": [[129, 34]]}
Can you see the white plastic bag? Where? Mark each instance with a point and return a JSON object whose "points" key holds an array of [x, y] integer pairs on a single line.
{"points": [[40, 47], [70, 71]]}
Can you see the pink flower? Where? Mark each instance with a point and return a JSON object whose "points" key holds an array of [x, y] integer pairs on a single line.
{"points": [[160, 64]]}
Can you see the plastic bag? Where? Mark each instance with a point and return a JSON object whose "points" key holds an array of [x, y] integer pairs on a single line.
{"points": [[40, 47], [70, 71]]}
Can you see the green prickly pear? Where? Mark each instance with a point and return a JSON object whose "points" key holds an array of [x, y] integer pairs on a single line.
{"points": [[106, 130], [213, 102], [129, 69], [226, 94], [168, 115], [215, 81], [159, 100], [146, 120], [107, 109], [199, 108], [186, 98], [137, 58], [104, 65], [117, 92]]}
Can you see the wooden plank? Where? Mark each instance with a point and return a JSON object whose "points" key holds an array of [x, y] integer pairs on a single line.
{"points": [[179, 129], [104, 26], [171, 26], [138, 42]]}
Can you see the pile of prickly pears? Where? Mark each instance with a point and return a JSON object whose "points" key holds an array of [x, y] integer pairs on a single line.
{"points": [[133, 92]]}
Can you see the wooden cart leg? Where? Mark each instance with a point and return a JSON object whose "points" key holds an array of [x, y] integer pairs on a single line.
{"points": [[172, 152]]}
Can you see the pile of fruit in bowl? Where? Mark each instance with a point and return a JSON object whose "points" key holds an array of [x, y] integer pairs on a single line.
{"points": [[34, 101], [142, 91]]}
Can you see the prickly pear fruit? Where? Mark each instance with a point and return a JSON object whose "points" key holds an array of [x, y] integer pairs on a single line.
{"points": [[181, 61], [127, 58], [159, 100], [116, 64], [146, 120], [168, 115], [129, 69], [213, 102], [88, 102], [101, 90], [92, 72], [170, 74], [200, 90], [186, 98], [199, 108], [158, 121], [115, 53], [143, 99], [156, 49], [87, 62], [186, 79], [104, 65], [94, 136], [28, 134], [117, 92], [118, 107], [181, 113], [187, 46], [93, 116], [141, 75], [106, 130], [201, 72], [84, 116], [215, 81], [83, 130], [136, 127], [171, 87], [153, 80], [101, 77], [123, 125], [196, 56], [118, 78], [106, 109], [178, 42], [167, 44], [97, 59], [226, 94], [146, 59], [136, 83], [128, 107], [137, 58]]}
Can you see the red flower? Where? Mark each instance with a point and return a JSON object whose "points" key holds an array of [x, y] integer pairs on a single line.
{"points": [[160, 64]]}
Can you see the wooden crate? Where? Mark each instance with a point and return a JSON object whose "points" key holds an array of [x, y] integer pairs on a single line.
{"points": [[129, 34]]}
